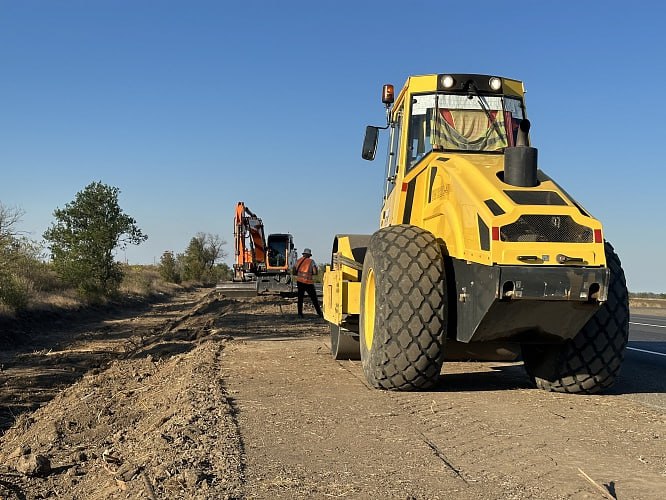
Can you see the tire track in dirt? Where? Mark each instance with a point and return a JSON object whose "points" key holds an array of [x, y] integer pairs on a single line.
{"points": [[313, 428], [523, 444], [482, 433], [300, 419]]}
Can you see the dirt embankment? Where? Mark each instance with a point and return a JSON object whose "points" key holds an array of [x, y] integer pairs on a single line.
{"points": [[209, 397]]}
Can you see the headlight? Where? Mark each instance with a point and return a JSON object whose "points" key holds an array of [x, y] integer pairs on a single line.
{"points": [[495, 83], [447, 81]]}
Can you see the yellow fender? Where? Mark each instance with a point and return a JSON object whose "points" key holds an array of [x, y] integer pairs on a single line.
{"points": [[342, 279]]}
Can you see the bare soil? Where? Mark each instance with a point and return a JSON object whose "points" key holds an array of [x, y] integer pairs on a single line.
{"points": [[203, 396]]}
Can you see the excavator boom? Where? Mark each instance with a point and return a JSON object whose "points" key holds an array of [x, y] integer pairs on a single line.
{"points": [[249, 244]]}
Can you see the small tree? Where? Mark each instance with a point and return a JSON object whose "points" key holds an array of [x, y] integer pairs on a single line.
{"points": [[84, 236], [199, 260], [9, 217], [169, 268], [13, 289], [194, 260], [224, 272]]}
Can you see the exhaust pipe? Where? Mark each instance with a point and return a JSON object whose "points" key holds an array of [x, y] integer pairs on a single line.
{"points": [[520, 162]]}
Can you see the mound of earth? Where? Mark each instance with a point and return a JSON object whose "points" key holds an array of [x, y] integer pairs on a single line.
{"points": [[141, 428]]}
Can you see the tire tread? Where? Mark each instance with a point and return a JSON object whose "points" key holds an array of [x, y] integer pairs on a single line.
{"points": [[410, 296], [591, 361]]}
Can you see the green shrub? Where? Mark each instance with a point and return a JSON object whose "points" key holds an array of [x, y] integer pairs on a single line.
{"points": [[83, 239], [14, 292], [169, 268]]}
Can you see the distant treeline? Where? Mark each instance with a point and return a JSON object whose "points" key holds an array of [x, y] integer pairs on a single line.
{"points": [[76, 260], [646, 295]]}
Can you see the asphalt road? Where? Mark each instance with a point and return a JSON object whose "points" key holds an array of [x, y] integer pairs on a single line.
{"points": [[643, 375]]}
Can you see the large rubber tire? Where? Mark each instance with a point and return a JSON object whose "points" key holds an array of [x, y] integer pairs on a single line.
{"points": [[343, 344], [591, 361], [403, 317]]}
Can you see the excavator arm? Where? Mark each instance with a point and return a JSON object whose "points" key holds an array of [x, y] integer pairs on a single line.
{"points": [[249, 244]]}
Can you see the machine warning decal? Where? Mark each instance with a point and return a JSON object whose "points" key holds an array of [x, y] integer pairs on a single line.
{"points": [[441, 192]]}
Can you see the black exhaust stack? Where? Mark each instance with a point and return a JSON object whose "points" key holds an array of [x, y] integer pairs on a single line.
{"points": [[520, 162]]}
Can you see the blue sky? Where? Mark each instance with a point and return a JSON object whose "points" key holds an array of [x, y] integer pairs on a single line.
{"points": [[191, 106]]}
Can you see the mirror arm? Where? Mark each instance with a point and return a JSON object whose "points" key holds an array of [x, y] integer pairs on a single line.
{"points": [[388, 117]]}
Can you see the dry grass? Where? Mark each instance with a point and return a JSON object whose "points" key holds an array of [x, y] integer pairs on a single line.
{"points": [[647, 303], [144, 281], [49, 301], [139, 282]]}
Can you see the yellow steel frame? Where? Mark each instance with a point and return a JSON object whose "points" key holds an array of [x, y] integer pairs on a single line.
{"points": [[342, 286]]}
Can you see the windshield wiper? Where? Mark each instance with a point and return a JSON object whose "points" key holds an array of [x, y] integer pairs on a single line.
{"points": [[474, 91]]}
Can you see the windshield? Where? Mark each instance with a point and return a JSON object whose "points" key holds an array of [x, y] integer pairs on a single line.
{"points": [[448, 122], [277, 252]]}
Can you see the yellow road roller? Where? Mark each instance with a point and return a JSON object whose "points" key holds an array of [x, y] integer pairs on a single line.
{"points": [[479, 253]]}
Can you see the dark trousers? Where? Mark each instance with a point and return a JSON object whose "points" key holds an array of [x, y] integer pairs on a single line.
{"points": [[308, 288]]}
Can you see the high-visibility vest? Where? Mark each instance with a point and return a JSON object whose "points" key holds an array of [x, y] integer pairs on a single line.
{"points": [[305, 269]]}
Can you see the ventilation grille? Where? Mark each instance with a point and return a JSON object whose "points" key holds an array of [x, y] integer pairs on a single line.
{"points": [[546, 228]]}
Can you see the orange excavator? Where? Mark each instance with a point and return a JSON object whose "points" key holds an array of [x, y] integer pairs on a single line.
{"points": [[262, 262]]}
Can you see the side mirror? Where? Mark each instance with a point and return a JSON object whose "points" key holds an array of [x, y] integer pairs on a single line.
{"points": [[370, 143]]}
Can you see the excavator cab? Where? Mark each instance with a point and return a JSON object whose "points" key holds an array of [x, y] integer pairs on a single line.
{"points": [[281, 252]]}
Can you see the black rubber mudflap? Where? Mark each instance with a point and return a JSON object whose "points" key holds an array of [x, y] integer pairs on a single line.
{"points": [[591, 361]]}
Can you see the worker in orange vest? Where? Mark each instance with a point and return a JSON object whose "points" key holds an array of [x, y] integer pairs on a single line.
{"points": [[305, 269]]}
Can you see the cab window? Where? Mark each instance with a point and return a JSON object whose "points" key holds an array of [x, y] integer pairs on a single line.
{"points": [[420, 125], [453, 122]]}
